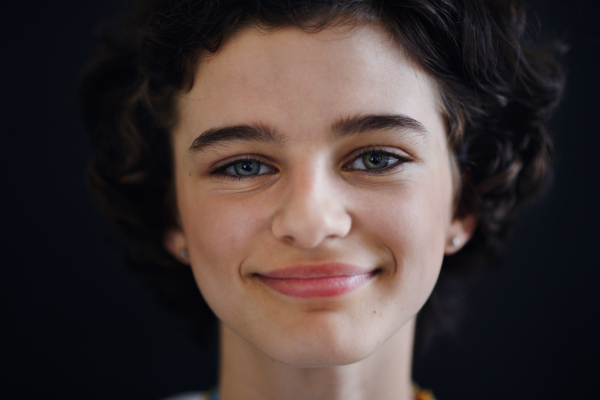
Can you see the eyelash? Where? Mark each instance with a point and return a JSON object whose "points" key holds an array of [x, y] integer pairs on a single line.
{"points": [[400, 161], [220, 171]]}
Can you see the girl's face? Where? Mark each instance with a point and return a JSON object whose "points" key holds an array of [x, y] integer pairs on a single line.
{"points": [[314, 191]]}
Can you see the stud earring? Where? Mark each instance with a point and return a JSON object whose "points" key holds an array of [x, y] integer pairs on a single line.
{"points": [[184, 254], [455, 241]]}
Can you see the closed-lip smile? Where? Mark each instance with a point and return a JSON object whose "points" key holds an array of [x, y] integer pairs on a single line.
{"points": [[322, 280]]}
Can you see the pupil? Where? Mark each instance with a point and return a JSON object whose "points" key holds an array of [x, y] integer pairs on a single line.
{"points": [[248, 166], [375, 159]]}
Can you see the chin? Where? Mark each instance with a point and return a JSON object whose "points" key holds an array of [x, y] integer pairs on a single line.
{"points": [[319, 354], [322, 344]]}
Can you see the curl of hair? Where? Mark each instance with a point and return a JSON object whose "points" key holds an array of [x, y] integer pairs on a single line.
{"points": [[498, 88]]}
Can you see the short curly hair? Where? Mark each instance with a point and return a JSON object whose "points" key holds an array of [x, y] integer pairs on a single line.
{"points": [[498, 89]]}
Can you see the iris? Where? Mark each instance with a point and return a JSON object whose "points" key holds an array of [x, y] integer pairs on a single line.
{"points": [[375, 160], [247, 167]]}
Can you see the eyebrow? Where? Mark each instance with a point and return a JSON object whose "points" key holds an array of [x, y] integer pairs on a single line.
{"points": [[342, 128], [368, 123], [248, 133]]}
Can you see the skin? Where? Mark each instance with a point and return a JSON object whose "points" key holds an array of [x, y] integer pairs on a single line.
{"points": [[314, 204]]}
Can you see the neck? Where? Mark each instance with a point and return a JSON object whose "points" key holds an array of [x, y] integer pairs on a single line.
{"points": [[247, 374]]}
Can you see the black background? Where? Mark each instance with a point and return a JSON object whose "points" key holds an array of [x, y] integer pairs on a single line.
{"points": [[75, 325]]}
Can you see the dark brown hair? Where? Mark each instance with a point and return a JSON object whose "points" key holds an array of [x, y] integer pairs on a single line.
{"points": [[498, 90]]}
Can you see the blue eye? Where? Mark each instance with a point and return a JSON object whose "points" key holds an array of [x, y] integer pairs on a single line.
{"points": [[374, 160], [246, 168]]}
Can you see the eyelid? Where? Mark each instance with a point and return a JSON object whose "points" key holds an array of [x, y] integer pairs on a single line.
{"points": [[383, 149], [223, 164], [401, 156], [219, 168]]}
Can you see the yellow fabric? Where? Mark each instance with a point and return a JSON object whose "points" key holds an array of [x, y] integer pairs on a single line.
{"points": [[422, 394]]}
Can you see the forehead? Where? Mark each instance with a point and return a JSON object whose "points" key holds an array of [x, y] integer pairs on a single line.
{"points": [[296, 80]]}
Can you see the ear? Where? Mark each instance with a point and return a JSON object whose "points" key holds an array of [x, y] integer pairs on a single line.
{"points": [[176, 244], [459, 233]]}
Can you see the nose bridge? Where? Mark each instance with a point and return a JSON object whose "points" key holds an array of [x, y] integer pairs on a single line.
{"points": [[311, 210]]}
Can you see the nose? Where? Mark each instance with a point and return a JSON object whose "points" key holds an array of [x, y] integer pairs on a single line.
{"points": [[311, 211]]}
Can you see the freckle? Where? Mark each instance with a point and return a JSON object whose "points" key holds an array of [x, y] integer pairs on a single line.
{"points": [[190, 174]]}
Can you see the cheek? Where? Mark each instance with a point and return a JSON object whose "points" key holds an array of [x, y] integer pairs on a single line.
{"points": [[220, 234], [413, 227], [411, 222], [212, 227]]}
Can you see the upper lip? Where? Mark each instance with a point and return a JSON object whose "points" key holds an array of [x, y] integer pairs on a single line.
{"points": [[306, 271]]}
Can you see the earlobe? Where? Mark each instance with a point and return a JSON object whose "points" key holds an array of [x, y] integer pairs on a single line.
{"points": [[459, 233], [176, 244]]}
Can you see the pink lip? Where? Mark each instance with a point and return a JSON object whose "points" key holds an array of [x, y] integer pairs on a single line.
{"points": [[324, 280]]}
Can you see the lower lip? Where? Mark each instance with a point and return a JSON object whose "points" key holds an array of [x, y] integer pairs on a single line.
{"points": [[316, 287]]}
